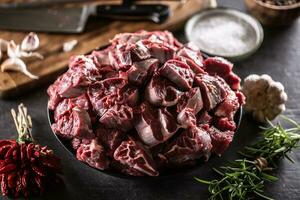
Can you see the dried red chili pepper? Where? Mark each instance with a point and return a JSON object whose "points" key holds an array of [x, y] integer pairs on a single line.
{"points": [[25, 167]]}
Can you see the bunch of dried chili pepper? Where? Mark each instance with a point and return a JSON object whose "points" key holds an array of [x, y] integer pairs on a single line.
{"points": [[26, 168]]}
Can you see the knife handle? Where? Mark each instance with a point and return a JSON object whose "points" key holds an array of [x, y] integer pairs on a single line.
{"points": [[156, 13]]}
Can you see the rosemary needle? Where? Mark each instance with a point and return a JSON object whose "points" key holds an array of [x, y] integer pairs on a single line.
{"points": [[245, 178]]}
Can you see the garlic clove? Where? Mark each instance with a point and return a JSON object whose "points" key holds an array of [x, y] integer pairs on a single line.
{"points": [[69, 46], [13, 50], [16, 64], [3, 45], [30, 43], [24, 54]]}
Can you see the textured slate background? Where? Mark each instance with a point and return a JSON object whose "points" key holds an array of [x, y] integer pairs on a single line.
{"points": [[278, 56]]}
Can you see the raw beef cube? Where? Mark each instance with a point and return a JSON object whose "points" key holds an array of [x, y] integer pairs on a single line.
{"points": [[140, 71], [213, 90], [224, 124], [218, 66], [233, 81], [168, 123], [189, 145], [72, 84], [179, 73], [110, 138], [103, 95], [120, 59], [93, 154], [197, 69], [228, 107], [64, 127], [186, 118], [161, 51], [132, 154], [76, 142], [101, 57], [82, 126], [76, 124], [140, 52], [220, 140], [154, 126], [203, 118], [84, 64], [67, 105], [191, 99], [54, 97], [128, 95], [147, 125], [118, 117], [192, 53], [162, 92]]}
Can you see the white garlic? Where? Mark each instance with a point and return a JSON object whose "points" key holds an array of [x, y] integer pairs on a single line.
{"points": [[69, 46], [24, 54], [265, 98], [3, 45], [16, 64], [30, 43], [13, 50]]}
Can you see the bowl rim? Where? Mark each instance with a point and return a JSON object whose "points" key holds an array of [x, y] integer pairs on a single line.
{"points": [[276, 7], [63, 143], [254, 23]]}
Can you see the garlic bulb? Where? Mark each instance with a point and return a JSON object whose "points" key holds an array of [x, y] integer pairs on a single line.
{"points": [[69, 46], [265, 98], [30, 43], [16, 64]]}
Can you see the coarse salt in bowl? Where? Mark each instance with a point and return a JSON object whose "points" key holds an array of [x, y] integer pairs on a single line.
{"points": [[225, 32]]}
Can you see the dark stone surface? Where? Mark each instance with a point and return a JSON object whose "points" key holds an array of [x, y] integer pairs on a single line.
{"points": [[278, 56]]}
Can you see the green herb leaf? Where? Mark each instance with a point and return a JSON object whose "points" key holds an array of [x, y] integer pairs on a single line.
{"points": [[245, 178]]}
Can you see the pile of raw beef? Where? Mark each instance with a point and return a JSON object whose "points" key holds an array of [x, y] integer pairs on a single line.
{"points": [[145, 104]]}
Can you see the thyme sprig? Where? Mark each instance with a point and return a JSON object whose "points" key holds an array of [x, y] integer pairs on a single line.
{"points": [[245, 178]]}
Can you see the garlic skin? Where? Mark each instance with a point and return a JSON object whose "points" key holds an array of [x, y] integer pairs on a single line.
{"points": [[69, 46], [31, 42], [265, 98], [16, 64]]}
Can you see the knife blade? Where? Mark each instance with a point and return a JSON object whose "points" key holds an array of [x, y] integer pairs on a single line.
{"points": [[74, 19], [49, 3]]}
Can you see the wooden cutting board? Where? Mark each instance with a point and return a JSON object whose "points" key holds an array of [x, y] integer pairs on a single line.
{"points": [[97, 34]]}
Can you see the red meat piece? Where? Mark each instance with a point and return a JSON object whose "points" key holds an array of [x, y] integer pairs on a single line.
{"points": [[179, 73], [189, 145], [162, 92], [218, 66], [132, 154], [93, 154], [220, 140]]}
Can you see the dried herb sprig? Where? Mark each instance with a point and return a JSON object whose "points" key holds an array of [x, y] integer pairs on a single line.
{"points": [[245, 178]]}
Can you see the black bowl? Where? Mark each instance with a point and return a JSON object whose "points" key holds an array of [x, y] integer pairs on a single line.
{"points": [[67, 146]]}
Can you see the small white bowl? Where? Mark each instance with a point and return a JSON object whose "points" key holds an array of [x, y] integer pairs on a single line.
{"points": [[245, 33]]}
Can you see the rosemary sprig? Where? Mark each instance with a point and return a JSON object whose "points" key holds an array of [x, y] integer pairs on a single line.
{"points": [[245, 178]]}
